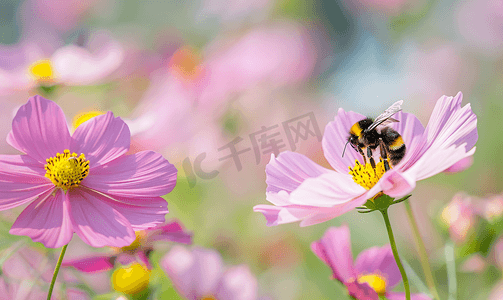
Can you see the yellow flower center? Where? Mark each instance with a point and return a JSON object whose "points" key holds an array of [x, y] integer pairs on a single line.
{"points": [[365, 175], [85, 116], [132, 279], [208, 298], [375, 281], [140, 236], [67, 170], [185, 62], [42, 70]]}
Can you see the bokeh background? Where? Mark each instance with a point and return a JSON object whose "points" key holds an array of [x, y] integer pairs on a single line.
{"points": [[195, 78]]}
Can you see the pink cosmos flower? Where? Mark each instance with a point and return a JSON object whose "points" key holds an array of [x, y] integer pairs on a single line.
{"points": [[139, 250], [373, 274], [30, 65], [199, 274], [303, 191], [460, 216], [82, 183]]}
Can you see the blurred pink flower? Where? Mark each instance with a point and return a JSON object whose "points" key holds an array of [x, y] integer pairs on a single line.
{"points": [[83, 183], [492, 208], [497, 253], [475, 263], [26, 274], [30, 65], [460, 216], [303, 191], [138, 251], [373, 274], [277, 55], [169, 121], [480, 22], [199, 274]]}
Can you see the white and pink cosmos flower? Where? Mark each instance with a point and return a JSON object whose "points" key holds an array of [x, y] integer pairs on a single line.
{"points": [[374, 272], [27, 65], [81, 183], [199, 274], [304, 191]]}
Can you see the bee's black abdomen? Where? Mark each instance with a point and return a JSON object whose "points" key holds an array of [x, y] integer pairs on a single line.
{"points": [[395, 147]]}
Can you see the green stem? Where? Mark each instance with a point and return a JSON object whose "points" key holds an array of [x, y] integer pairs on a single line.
{"points": [[421, 249], [56, 271], [395, 253]]}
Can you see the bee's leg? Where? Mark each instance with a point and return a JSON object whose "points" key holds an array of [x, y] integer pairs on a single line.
{"points": [[363, 155], [384, 155], [369, 154]]}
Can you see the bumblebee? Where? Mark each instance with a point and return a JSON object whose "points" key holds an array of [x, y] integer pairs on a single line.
{"points": [[368, 134]]}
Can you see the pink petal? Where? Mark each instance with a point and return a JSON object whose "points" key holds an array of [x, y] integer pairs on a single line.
{"points": [[361, 291], [75, 65], [401, 296], [91, 264], [21, 180], [39, 129], [96, 222], [142, 213], [411, 130], [125, 258], [101, 139], [461, 165], [309, 215], [194, 273], [143, 259], [143, 174], [396, 184], [449, 137], [334, 249], [172, 231], [327, 190], [46, 220], [334, 140], [289, 170], [379, 260], [237, 283]]}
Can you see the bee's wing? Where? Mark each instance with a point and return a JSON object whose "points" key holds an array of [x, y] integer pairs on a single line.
{"points": [[386, 116]]}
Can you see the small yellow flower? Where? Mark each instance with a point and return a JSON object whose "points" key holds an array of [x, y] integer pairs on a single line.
{"points": [[132, 279]]}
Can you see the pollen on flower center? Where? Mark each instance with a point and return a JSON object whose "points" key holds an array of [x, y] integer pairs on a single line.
{"points": [[208, 298], [42, 70], [375, 281], [366, 175], [67, 170]]}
